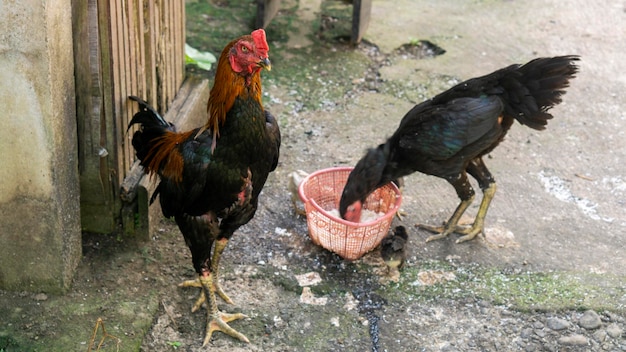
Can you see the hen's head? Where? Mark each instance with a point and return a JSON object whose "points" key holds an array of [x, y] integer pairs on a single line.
{"points": [[249, 54], [363, 180]]}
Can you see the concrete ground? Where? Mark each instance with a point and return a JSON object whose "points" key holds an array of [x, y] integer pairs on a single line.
{"points": [[554, 245]]}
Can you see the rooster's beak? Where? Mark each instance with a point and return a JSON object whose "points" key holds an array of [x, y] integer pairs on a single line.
{"points": [[265, 63]]}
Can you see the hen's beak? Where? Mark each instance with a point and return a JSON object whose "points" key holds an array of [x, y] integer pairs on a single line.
{"points": [[265, 63]]}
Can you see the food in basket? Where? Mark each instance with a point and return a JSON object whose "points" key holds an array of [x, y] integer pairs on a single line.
{"points": [[366, 215]]}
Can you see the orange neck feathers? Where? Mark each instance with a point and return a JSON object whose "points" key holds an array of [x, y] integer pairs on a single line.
{"points": [[229, 85]]}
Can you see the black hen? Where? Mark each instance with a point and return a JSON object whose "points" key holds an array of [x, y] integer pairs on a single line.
{"points": [[447, 136]]}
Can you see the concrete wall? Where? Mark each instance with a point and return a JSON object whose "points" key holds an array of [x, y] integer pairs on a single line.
{"points": [[40, 244]]}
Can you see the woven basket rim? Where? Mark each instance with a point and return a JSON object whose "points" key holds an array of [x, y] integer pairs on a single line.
{"points": [[390, 212]]}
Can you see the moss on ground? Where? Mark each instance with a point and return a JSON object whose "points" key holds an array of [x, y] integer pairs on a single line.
{"points": [[523, 291]]}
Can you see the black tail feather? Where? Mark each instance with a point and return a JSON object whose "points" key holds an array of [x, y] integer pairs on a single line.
{"points": [[538, 86], [146, 115], [153, 126]]}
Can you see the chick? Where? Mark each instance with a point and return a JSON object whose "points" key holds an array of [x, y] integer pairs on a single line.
{"points": [[393, 249], [295, 179]]}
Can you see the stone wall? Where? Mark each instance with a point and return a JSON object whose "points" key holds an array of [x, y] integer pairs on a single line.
{"points": [[40, 243]]}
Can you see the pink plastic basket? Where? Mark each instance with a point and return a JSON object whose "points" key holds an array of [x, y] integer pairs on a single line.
{"points": [[321, 191]]}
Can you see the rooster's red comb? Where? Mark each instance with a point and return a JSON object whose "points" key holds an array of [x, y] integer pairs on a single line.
{"points": [[259, 40]]}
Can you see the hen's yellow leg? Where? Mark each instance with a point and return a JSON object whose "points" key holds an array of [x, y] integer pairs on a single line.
{"points": [[451, 225], [479, 223]]}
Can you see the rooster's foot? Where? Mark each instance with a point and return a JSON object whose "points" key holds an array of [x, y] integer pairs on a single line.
{"points": [[218, 321], [202, 297]]}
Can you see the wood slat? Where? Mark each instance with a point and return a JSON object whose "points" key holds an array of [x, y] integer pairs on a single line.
{"points": [[150, 51], [131, 47]]}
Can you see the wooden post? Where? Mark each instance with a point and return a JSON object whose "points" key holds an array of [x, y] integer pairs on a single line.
{"points": [[360, 19]]}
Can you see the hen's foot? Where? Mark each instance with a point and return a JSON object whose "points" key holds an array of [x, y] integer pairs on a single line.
{"points": [[218, 321], [468, 232], [400, 214], [441, 231]]}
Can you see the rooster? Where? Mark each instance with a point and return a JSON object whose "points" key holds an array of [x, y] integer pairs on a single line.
{"points": [[448, 135], [211, 176]]}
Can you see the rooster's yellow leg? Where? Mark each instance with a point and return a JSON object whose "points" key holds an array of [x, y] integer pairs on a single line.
{"points": [[216, 320], [479, 222], [451, 225], [220, 245]]}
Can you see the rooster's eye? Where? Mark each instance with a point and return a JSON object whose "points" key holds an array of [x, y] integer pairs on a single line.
{"points": [[244, 49]]}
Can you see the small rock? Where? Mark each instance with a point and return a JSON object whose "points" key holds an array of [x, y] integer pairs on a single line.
{"points": [[484, 304], [41, 297], [600, 335], [307, 297], [573, 340], [351, 302], [432, 277], [309, 279], [557, 324], [526, 333], [590, 320], [531, 347], [614, 331]]}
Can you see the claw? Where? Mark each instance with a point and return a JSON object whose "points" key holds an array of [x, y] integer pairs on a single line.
{"points": [[219, 322], [202, 298], [440, 231], [400, 214], [469, 233]]}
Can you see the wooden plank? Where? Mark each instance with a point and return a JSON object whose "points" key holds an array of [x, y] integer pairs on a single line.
{"points": [[175, 51], [96, 215], [135, 47], [128, 188], [126, 82], [141, 51], [107, 46], [361, 12], [150, 53], [132, 86], [160, 69], [167, 54], [171, 51], [117, 74], [180, 41], [98, 201]]}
